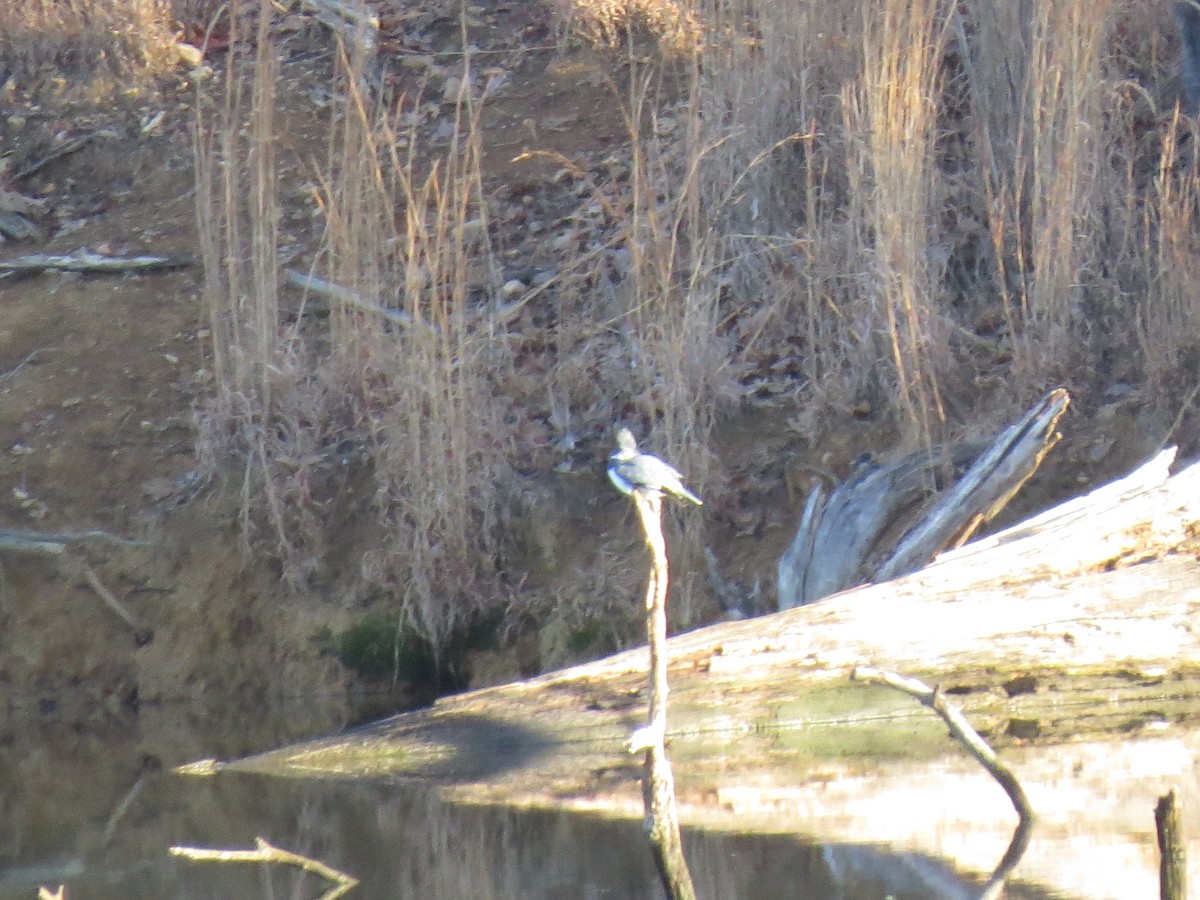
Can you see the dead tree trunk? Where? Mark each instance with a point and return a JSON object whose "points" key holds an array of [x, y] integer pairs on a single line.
{"points": [[858, 533], [658, 782]]}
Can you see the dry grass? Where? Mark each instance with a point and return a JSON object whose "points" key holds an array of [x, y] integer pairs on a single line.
{"points": [[405, 233], [892, 118], [674, 23], [982, 209], [919, 211], [87, 38]]}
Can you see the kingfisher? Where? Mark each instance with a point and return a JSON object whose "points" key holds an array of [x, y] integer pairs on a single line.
{"points": [[631, 471]]}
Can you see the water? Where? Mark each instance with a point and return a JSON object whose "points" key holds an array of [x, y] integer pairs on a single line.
{"points": [[406, 842], [98, 809]]}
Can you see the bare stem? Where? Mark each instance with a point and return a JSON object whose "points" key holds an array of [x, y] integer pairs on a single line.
{"points": [[658, 782]]}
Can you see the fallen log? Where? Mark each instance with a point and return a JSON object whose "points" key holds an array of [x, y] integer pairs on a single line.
{"points": [[90, 263], [1049, 622]]}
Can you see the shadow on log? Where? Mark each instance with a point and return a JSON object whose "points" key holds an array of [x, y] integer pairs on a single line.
{"points": [[880, 523]]}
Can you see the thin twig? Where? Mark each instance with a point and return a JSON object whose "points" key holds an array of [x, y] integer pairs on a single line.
{"points": [[111, 601], [22, 364], [266, 852]]}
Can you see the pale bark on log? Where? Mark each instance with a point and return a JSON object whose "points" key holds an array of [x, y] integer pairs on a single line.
{"points": [[849, 537]]}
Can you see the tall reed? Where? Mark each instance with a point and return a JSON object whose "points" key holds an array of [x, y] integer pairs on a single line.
{"points": [[399, 378]]}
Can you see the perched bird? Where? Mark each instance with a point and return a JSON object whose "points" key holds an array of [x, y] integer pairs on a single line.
{"points": [[631, 471]]}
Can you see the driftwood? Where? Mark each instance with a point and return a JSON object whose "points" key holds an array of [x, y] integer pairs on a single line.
{"points": [[1056, 602], [855, 534], [264, 853], [90, 263]]}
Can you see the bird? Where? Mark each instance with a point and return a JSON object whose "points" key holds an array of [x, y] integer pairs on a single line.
{"points": [[630, 470]]}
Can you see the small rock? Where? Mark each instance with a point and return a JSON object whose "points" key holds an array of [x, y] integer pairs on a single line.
{"points": [[512, 289]]}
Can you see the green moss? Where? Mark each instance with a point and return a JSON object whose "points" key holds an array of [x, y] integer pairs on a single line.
{"points": [[381, 646]]}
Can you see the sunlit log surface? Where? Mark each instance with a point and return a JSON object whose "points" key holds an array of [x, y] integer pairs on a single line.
{"points": [[1072, 641]]}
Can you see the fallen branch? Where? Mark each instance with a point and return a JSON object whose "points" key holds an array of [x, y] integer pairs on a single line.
{"points": [[265, 852], [331, 291], [993, 479], [58, 152], [22, 364], [55, 543], [142, 634], [91, 263], [966, 735]]}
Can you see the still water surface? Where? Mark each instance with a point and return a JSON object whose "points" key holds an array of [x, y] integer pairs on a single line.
{"points": [[98, 810]]}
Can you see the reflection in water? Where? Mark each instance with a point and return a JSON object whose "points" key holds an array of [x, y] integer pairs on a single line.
{"points": [[95, 812], [405, 842]]}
